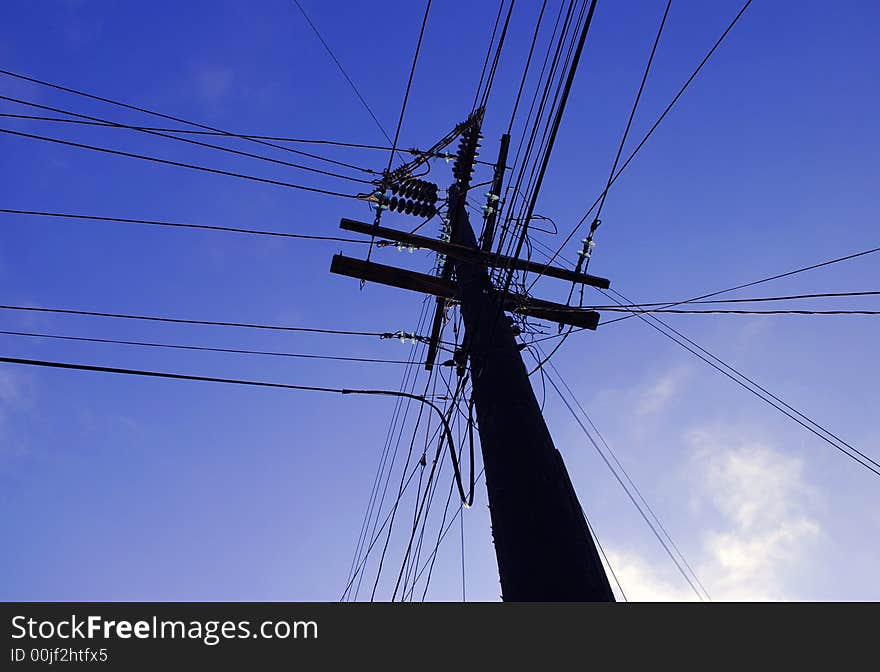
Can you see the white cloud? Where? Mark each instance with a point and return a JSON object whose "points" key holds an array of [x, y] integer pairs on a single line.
{"points": [[658, 395], [766, 532]]}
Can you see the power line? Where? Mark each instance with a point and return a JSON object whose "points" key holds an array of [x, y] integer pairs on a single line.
{"points": [[174, 346], [648, 134], [140, 109], [628, 479], [98, 121], [596, 221], [342, 70], [778, 276], [245, 136], [412, 72], [380, 470], [409, 82], [491, 78], [182, 225], [175, 320], [179, 164], [488, 54], [522, 82], [252, 383], [626, 490], [680, 311], [759, 391], [790, 297], [552, 137]]}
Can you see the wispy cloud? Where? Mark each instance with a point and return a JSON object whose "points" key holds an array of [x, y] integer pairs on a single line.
{"points": [[659, 394], [764, 530]]}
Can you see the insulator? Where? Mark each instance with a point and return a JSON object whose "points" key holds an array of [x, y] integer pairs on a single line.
{"points": [[408, 207], [394, 187]]}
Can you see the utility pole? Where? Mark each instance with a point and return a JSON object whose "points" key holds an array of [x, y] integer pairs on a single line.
{"points": [[543, 544]]}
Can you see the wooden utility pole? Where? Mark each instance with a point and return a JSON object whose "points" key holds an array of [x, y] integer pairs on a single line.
{"points": [[542, 541]]}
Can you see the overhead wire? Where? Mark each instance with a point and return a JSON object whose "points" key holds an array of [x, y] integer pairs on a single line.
{"points": [[629, 481], [646, 136], [632, 498], [583, 258], [143, 110], [374, 494], [182, 225], [98, 121], [212, 323], [253, 136], [342, 69], [759, 391], [790, 297], [201, 348], [778, 276], [179, 164], [554, 129]]}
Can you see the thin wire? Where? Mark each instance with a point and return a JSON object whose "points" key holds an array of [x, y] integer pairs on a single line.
{"points": [[441, 537], [790, 297], [176, 320], [342, 70], [522, 82], [254, 383], [647, 135], [140, 109], [179, 164], [491, 79], [488, 54], [252, 136], [629, 480], [622, 144], [595, 536], [412, 72], [748, 312], [98, 121], [650, 320], [552, 138], [176, 346], [763, 280], [626, 490], [374, 493], [358, 570], [181, 225]]}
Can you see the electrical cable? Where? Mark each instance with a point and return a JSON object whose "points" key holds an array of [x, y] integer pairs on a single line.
{"points": [[181, 225], [341, 69], [179, 164], [144, 110], [584, 257], [176, 320], [647, 135], [856, 455], [175, 346], [115, 124]]}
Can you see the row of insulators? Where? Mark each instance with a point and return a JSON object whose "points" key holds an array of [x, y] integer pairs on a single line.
{"points": [[408, 207], [420, 190], [467, 150]]}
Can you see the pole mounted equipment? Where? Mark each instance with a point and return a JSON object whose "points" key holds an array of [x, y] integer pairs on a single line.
{"points": [[543, 544]]}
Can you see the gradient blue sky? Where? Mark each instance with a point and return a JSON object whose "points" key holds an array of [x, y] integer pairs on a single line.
{"points": [[117, 488]]}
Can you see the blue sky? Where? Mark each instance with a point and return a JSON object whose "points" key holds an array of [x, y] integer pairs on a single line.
{"points": [[119, 488]]}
